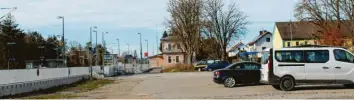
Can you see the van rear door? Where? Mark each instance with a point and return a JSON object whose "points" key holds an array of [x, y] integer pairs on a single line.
{"points": [[264, 65]]}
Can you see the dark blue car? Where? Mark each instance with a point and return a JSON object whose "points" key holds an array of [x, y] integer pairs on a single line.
{"points": [[217, 65]]}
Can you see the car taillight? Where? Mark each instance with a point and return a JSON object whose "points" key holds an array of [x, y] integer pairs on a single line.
{"points": [[269, 63], [217, 73]]}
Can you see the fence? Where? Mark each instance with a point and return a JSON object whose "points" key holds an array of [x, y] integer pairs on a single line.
{"points": [[28, 80]]}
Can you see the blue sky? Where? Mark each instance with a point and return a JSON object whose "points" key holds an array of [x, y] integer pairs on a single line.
{"points": [[123, 19]]}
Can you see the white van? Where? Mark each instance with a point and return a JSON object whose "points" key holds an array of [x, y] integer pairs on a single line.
{"points": [[286, 67]]}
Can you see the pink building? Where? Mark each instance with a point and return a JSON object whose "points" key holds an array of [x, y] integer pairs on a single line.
{"points": [[171, 55]]}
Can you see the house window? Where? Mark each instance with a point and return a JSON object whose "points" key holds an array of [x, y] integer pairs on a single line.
{"points": [[169, 59], [268, 39], [297, 43], [178, 46], [264, 48], [169, 46], [177, 59], [288, 44]]}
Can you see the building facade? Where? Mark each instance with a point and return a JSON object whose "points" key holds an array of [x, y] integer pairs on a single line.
{"points": [[172, 53], [287, 34], [260, 43]]}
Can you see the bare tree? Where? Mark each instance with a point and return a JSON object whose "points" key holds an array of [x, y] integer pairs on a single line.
{"points": [[185, 23], [224, 25], [327, 14]]}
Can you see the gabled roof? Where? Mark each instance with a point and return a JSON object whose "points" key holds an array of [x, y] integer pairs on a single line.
{"points": [[236, 46], [154, 56], [170, 38], [259, 37], [302, 30]]}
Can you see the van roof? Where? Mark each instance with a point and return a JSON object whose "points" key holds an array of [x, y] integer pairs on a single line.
{"points": [[315, 46]]}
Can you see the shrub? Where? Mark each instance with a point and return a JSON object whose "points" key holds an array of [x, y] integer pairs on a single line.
{"points": [[180, 68]]}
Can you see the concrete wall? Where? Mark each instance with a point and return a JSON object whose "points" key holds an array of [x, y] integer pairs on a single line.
{"points": [[28, 80]]}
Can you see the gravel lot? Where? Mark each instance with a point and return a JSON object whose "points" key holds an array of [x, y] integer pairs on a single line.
{"points": [[199, 85]]}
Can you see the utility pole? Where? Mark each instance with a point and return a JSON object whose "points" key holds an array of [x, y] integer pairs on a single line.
{"points": [[141, 53]]}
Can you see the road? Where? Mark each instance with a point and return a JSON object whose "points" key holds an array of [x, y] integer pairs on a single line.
{"points": [[199, 85]]}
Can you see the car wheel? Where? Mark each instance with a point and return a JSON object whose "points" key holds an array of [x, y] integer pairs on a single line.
{"points": [[287, 83], [348, 85], [229, 82], [277, 87]]}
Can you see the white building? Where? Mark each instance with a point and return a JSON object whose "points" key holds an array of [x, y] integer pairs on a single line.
{"points": [[263, 41]]}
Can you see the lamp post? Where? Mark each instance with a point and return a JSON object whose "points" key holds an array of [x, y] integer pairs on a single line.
{"points": [[118, 48], [104, 46], [128, 49], [90, 50], [13, 9], [96, 61], [147, 47], [63, 40], [141, 52], [8, 53]]}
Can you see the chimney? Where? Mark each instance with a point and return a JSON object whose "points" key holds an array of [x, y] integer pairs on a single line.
{"points": [[260, 32]]}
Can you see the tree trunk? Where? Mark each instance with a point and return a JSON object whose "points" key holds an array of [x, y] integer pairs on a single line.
{"points": [[224, 53]]}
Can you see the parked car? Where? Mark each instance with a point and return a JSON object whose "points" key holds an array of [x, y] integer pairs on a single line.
{"points": [[200, 66], [238, 73], [217, 65], [286, 67]]}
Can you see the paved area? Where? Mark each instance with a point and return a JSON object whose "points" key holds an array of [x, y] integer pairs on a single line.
{"points": [[199, 85]]}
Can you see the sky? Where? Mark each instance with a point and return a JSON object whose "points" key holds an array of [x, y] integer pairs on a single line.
{"points": [[123, 19]]}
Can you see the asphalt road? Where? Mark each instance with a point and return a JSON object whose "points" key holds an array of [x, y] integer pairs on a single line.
{"points": [[199, 85]]}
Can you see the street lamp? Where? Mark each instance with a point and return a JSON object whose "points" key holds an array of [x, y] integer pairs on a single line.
{"points": [[118, 48], [103, 41], [141, 53], [13, 9], [94, 27], [63, 40]]}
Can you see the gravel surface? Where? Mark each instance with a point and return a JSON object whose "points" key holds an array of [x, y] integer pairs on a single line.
{"points": [[199, 85]]}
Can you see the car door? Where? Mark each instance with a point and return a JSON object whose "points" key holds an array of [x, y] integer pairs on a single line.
{"points": [[252, 71], [317, 67], [236, 71], [343, 66]]}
